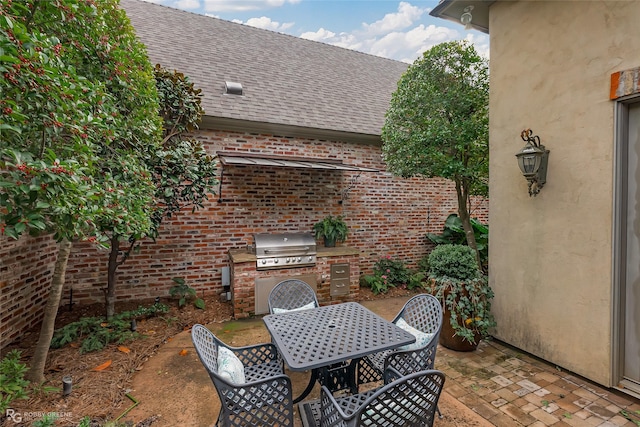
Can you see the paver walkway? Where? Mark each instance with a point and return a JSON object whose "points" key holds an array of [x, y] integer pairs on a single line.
{"points": [[510, 389]]}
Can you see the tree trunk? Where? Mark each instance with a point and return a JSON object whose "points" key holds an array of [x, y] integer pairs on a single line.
{"points": [[110, 294], [465, 218], [36, 371]]}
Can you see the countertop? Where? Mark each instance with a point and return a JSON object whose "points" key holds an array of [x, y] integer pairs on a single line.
{"points": [[241, 255]]}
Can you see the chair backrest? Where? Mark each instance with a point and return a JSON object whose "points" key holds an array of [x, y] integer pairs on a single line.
{"points": [[292, 294], [206, 345], [423, 312], [409, 401]]}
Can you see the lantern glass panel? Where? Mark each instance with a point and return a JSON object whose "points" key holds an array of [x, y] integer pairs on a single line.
{"points": [[529, 163]]}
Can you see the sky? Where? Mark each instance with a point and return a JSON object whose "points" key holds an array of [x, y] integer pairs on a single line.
{"points": [[400, 30]]}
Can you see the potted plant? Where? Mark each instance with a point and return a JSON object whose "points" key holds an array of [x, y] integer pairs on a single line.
{"points": [[331, 229], [465, 295]]}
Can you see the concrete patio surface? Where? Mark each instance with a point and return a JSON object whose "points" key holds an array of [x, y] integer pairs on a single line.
{"points": [[494, 385]]}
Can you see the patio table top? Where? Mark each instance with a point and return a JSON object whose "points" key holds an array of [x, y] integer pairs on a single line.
{"points": [[309, 339]]}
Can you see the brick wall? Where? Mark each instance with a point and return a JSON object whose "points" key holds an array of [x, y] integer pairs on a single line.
{"points": [[26, 267], [386, 216]]}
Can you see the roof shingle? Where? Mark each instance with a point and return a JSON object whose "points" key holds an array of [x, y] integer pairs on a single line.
{"points": [[286, 80]]}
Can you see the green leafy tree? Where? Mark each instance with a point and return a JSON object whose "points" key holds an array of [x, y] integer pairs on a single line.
{"points": [[78, 114], [182, 172], [438, 124]]}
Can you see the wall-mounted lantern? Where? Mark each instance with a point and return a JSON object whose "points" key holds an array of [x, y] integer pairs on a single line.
{"points": [[533, 159]]}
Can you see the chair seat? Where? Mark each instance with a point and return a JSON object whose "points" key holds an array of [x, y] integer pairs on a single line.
{"points": [[263, 370], [377, 359]]}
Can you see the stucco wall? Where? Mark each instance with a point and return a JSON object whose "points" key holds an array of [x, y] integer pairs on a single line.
{"points": [[551, 255]]}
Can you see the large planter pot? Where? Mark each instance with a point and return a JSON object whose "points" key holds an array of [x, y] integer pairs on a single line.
{"points": [[450, 340]]}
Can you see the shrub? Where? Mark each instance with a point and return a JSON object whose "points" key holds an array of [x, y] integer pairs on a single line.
{"points": [[185, 292], [12, 383], [463, 290], [453, 262], [395, 271], [96, 333], [377, 283], [417, 280]]}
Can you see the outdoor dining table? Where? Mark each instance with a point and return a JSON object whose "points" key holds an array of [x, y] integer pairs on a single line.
{"points": [[323, 339]]}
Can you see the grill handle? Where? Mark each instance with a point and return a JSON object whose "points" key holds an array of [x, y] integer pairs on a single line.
{"points": [[276, 251]]}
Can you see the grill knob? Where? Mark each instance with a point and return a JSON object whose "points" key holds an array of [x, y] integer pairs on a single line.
{"points": [[264, 261], [275, 261], [288, 260], [299, 259]]}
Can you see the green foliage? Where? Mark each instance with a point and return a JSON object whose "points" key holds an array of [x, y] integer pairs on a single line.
{"points": [[388, 273], [12, 383], [463, 290], [634, 416], [78, 101], [453, 262], [95, 333], [185, 292], [332, 229], [47, 420], [423, 264], [395, 271], [437, 124], [417, 280], [85, 422], [453, 233], [377, 283], [183, 172]]}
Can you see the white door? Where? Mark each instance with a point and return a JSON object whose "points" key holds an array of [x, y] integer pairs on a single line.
{"points": [[630, 291]]}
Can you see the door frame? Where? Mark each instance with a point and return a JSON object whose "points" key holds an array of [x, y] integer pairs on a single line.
{"points": [[621, 173]]}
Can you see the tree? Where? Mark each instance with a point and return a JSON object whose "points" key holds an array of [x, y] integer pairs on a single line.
{"points": [[182, 172], [438, 124], [78, 113]]}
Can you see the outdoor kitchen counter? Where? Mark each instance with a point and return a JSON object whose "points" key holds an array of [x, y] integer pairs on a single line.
{"points": [[334, 276], [238, 256]]}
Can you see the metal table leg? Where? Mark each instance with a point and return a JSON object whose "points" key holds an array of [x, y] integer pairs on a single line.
{"points": [[312, 382]]}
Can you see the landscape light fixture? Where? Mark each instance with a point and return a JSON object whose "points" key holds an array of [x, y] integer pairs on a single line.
{"points": [[532, 160], [466, 18]]}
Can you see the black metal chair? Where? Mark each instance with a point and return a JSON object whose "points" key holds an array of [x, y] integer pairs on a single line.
{"points": [[292, 294], [423, 315], [263, 398], [409, 400]]}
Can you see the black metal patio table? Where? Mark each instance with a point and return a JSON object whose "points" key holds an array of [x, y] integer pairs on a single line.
{"points": [[325, 337]]}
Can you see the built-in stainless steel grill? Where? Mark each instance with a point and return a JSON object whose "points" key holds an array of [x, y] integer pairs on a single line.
{"points": [[284, 250]]}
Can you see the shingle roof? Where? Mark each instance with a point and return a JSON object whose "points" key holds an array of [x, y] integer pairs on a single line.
{"points": [[287, 80]]}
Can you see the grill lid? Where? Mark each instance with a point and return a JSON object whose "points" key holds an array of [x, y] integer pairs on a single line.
{"points": [[273, 245], [284, 250]]}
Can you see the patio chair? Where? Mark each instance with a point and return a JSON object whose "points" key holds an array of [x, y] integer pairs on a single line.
{"points": [[250, 382], [422, 316], [292, 294], [409, 400]]}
